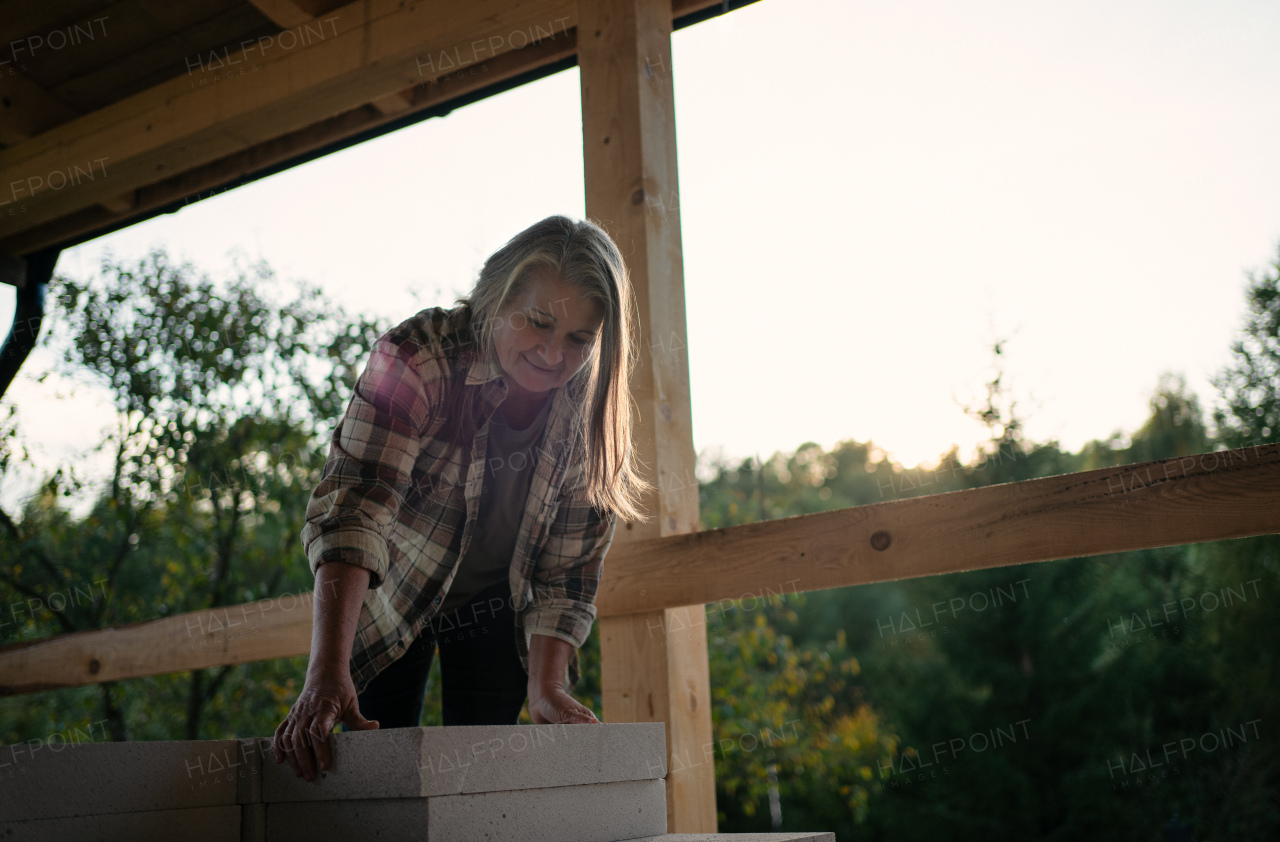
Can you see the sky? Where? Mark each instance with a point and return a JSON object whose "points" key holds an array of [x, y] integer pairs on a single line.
{"points": [[871, 194]]}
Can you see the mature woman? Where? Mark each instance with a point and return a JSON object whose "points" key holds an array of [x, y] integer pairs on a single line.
{"points": [[469, 498]]}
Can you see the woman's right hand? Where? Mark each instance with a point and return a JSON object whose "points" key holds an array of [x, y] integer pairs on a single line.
{"points": [[328, 697]]}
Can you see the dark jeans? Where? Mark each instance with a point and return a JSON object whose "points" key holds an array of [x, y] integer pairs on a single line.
{"points": [[483, 680]]}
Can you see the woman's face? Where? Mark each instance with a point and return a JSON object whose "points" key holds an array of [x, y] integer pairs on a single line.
{"points": [[546, 334]]}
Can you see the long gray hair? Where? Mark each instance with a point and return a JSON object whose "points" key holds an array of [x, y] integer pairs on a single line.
{"points": [[583, 255]]}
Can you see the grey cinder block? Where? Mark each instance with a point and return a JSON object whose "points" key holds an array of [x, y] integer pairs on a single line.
{"points": [[254, 753], [736, 837], [371, 818], [588, 813], [100, 778], [253, 822], [455, 760], [196, 824]]}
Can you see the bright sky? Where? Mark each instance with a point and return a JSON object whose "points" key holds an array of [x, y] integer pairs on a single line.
{"points": [[870, 193]]}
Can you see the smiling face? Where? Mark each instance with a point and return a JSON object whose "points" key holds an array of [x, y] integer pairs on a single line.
{"points": [[545, 334]]}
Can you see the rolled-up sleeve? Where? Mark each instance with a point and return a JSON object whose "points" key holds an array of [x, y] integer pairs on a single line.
{"points": [[370, 464], [567, 576]]}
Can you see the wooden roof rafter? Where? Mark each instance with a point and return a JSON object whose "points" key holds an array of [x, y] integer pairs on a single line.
{"points": [[340, 76], [290, 13]]}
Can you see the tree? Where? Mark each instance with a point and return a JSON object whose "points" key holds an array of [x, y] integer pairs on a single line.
{"points": [[1250, 385], [792, 730], [224, 395]]}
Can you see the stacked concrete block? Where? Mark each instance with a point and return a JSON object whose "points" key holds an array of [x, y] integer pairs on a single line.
{"points": [[737, 837], [462, 759], [587, 783], [88, 791], [594, 783]]}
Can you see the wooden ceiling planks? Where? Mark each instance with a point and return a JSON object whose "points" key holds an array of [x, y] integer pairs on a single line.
{"points": [[20, 19], [70, 58], [199, 182], [359, 53], [146, 46], [26, 110], [90, 41], [290, 13], [160, 145]]}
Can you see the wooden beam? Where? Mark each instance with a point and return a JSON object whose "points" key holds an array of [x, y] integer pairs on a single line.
{"points": [[1206, 497], [395, 104], [649, 672], [238, 634], [26, 109], [123, 203], [283, 13]]}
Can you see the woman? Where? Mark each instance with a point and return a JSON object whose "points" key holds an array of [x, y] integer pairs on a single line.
{"points": [[476, 476]]}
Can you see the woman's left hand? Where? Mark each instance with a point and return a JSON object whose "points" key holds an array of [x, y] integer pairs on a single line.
{"points": [[553, 706]]}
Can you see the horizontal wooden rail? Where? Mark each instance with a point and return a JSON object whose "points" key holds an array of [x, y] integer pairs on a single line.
{"points": [[1207, 497], [235, 634]]}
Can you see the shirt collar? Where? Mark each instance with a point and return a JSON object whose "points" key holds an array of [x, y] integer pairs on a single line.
{"points": [[488, 374], [482, 371]]}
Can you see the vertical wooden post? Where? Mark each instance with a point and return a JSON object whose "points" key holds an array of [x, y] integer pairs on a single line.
{"points": [[654, 664]]}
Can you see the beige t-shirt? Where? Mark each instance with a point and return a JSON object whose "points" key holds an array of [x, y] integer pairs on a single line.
{"points": [[508, 474]]}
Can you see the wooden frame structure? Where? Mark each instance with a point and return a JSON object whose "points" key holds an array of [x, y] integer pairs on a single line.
{"points": [[162, 133]]}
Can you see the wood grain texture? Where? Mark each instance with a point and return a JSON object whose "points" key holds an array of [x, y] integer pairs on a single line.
{"points": [[236, 634], [397, 103], [629, 156], [122, 48], [26, 110], [283, 13], [1205, 497], [122, 203]]}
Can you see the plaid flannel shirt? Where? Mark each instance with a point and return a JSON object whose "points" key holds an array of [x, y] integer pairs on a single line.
{"points": [[392, 499]]}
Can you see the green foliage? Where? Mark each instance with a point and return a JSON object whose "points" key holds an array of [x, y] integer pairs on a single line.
{"points": [[224, 394], [1250, 385], [790, 721], [1010, 703]]}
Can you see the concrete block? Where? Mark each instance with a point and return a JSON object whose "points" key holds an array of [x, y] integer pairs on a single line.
{"points": [[589, 813], [196, 824], [254, 754], [736, 837], [462, 759], [388, 819], [87, 779], [253, 822]]}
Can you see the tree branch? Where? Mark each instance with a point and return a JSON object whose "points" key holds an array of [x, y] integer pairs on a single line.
{"points": [[67, 623], [217, 682], [113, 570], [41, 557]]}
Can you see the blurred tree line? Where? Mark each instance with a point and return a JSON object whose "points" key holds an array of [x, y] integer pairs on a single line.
{"points": [[1038, 701], [1128, 696]]}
